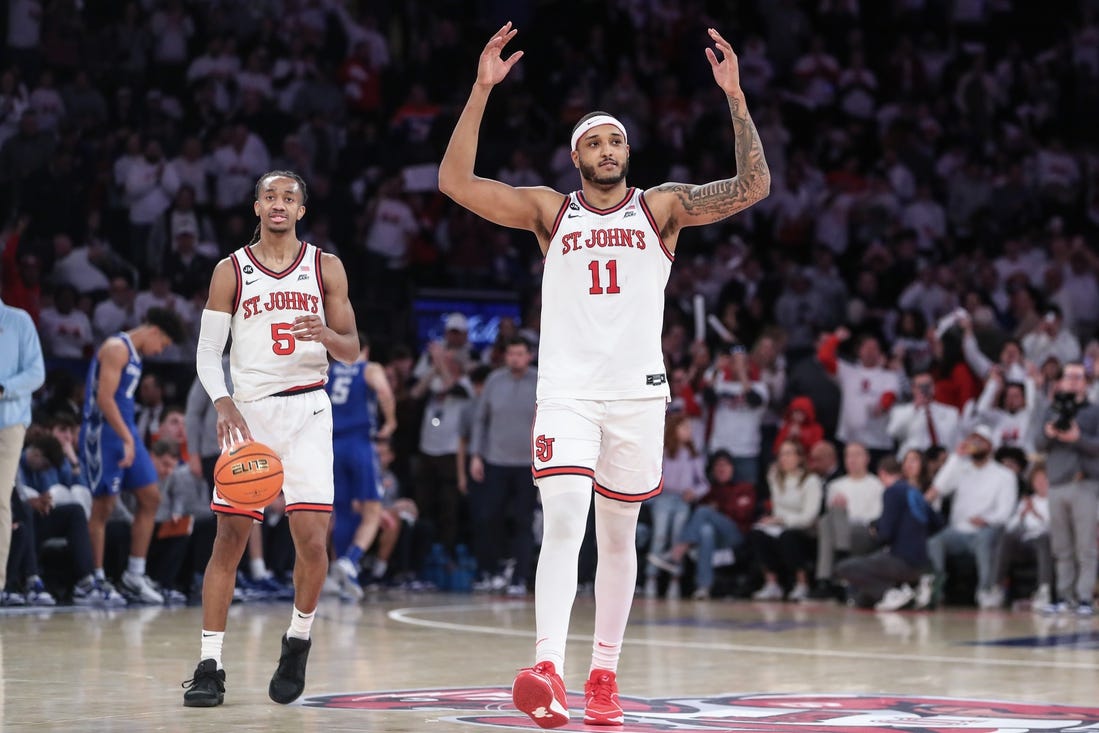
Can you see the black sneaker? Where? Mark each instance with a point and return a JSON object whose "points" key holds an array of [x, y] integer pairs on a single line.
{"points": [[207, 688], [288, 682]]}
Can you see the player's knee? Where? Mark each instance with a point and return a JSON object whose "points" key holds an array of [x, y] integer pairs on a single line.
{"points": [[148, 498]]}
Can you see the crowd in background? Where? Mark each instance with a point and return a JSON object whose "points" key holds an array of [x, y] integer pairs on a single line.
{"points": [[918, 279]]}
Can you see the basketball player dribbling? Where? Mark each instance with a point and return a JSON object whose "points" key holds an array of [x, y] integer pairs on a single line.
{"points": [[285, 303], [602, 386]]}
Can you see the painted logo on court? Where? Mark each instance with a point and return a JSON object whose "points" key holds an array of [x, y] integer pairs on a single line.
{"points": [[491, 707]]}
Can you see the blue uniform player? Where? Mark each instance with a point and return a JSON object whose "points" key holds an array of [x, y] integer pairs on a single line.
{"points": [[358, 391], [114, 459]]}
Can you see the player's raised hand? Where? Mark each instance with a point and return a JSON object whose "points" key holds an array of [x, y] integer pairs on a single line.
{"points": [[492, 67], [726, 69]]}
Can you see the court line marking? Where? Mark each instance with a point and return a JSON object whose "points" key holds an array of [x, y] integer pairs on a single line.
{"points": [[406, 616]]}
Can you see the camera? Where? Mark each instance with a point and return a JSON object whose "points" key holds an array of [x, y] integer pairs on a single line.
{"points": [[1064, 406]]}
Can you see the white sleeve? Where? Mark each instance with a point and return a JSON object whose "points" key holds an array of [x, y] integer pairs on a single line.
{"points": [[212, 335]]}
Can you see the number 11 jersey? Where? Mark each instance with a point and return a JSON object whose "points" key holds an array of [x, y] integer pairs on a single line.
{"points": [[265, 359], [603, 303]]}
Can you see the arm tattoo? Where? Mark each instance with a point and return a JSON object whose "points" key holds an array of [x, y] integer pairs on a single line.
{"points": [[719, 199]]}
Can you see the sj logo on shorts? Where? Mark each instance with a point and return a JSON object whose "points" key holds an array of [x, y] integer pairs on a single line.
{"points": [[543, 448]]}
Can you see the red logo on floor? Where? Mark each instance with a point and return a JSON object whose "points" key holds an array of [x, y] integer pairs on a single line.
{"points": [[491, 706]]}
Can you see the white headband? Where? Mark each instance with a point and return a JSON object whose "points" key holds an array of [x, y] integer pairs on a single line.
{"points": [[596, 122]]}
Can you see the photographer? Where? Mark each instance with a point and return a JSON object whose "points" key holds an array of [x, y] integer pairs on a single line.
{"points": [[1071, 437], [923, 422]]}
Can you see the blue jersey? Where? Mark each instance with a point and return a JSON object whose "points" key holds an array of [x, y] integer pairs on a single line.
{"points": [[123, 395], [354, 402], [101, 448]]}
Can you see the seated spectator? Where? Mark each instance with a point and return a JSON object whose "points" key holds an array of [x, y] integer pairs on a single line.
{"points": [[183, 536], [173, 427], [55, 509], [1026, 538], [984, 497], [684, 483], [721, 520], [923, 422], [800, 423], [884, 579], [781, 540], [852, 502], [22, 561]]}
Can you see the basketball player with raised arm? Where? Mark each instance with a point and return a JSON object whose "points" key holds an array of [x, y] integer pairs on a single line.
{"points": [[285, 303], [602, 387]]}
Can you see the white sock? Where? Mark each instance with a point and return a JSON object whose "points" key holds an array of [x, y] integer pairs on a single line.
{"points": [[565, 502], [615, 577], [300, 624], [136, 565], [99, 574], [604, 655], [380, 566], [211, 646], [258, 568]]}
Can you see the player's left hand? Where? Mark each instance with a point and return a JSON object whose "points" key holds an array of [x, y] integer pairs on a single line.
{"points": [[727, 70], [308, 328]]}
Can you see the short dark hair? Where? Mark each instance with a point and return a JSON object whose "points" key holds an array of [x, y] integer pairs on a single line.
{"points": [[167, 321], [518, 341], [479, 373], [889, 465], [165, 446]]}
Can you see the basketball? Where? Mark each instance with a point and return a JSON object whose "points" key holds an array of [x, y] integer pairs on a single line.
{"points": [[248, 476]]}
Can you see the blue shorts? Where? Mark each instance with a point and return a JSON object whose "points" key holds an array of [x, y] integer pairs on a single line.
{"points": [[101, 450], [355, 470]]}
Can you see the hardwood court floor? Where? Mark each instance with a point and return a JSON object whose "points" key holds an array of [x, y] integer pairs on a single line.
{"points": [[95, 670]]}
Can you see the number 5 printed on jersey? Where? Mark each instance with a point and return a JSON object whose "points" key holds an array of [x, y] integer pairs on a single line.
{"points": [[284, 341]]}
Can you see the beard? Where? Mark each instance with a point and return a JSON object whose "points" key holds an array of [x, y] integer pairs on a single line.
{"points": [[591, 174]]}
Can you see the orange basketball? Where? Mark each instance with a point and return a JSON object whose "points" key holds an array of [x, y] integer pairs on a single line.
{"points": [[248, 476]]}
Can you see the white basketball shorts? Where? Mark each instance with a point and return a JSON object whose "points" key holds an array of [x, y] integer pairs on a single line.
{"points": [[298, 428], [619, 444]]}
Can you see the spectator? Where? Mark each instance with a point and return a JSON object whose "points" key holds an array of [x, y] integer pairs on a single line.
{"points": [[150, 407], [1051, 338], [868, 390], [684, 484], [884, 579], [800, 424], [66, 330], [1072, 442], [183, 536], [781, 539], [852, 503], [500, 463], [117, 312], [21, 373], [984, 498], [1008, 408], [74, 266], [721, 519], [923, 422], [738, 403], [1027, 537]]}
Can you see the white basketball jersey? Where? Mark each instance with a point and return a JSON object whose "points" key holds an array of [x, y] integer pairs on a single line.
{"points": [[265, 358], [603, 303]]}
